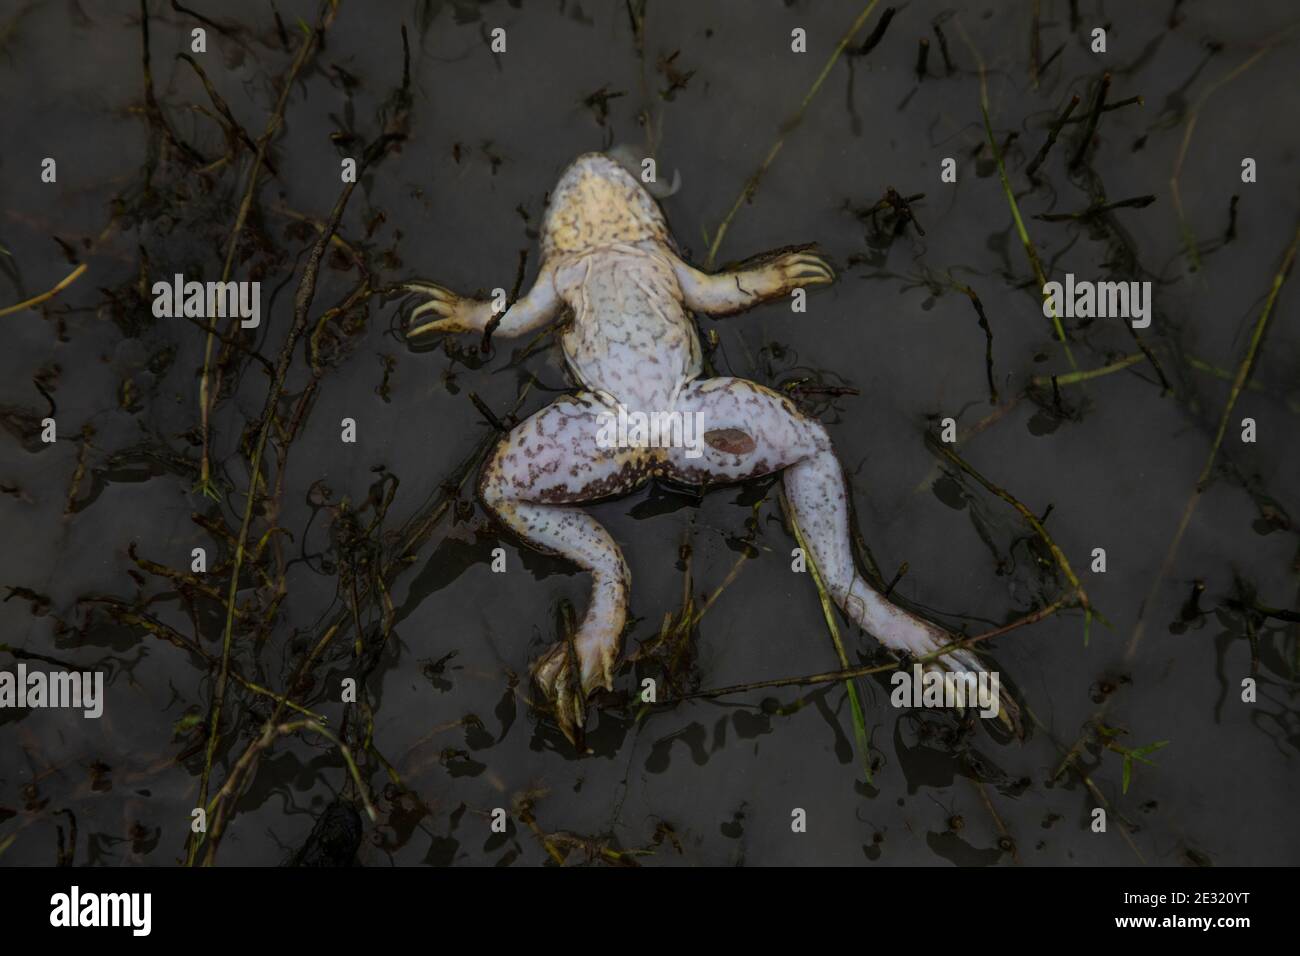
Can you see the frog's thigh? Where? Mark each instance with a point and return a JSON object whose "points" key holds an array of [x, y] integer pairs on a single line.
{"points": [[556, 457], [735, 429]]}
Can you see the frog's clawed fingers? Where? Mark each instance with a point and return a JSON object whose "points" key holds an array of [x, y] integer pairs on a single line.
{"points": [[442, 310], [805, 268]]}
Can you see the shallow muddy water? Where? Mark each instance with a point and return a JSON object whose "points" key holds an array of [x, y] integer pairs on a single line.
{"points": [[101, 524]]}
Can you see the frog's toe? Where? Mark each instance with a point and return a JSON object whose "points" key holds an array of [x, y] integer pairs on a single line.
{"points": [[598, 667], [569, 712], [806, 268], [422, 286], [444, 324]]}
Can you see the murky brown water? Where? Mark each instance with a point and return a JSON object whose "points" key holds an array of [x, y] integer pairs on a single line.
{"points": [[1115, 459]]}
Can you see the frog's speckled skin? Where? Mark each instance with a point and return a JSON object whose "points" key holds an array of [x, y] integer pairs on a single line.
{"points": [[608, 257]]}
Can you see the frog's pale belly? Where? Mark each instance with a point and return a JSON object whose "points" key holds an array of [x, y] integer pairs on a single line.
{"points": [[630, 340]]}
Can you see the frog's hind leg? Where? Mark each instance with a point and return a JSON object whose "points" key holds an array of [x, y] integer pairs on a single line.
{"points": [[743, 431], [537, 474]]}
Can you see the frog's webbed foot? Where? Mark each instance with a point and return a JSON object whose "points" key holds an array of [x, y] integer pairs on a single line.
{"points": [[554, 675], [964, 662], [435, 308], [915, 637]]}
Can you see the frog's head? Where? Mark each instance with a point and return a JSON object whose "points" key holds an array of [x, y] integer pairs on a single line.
{"points": [[598, 202]]}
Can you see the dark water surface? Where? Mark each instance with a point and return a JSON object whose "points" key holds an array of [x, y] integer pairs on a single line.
{"points": [[90, 520]]}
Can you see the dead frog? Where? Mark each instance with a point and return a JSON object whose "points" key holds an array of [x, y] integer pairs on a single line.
{"points": [[608, 258]]}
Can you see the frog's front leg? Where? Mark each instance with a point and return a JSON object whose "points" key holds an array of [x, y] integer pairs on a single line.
{"points": [[540, 470], [456, 313], [769, 276]]}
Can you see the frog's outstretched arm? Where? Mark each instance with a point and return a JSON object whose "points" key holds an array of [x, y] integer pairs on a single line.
{"points": [[769, 276], [456, 313]]}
